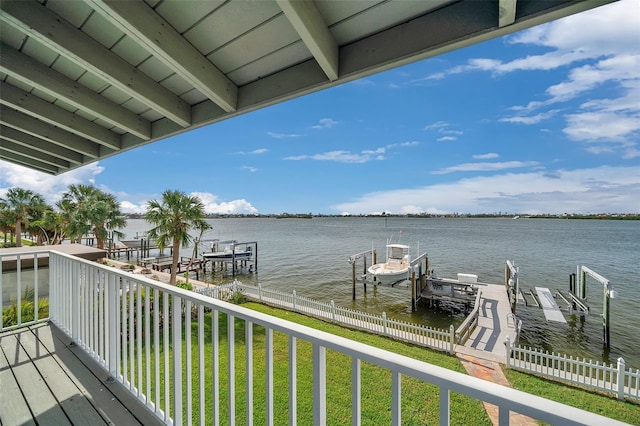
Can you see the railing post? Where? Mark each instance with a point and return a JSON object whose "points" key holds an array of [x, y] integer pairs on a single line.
{"points": [[294, 300], [445, 406], [452, 336], [75, 302], [112, 324], [260, 292], [384, 323], [507, 346], [621, 378], [319, 385], [176, 325], [333, 311]]}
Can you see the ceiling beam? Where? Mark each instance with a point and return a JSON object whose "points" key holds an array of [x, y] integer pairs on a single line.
{"points": [[15, 148], [506, 12], [42, 24], [28, 162], [52, 114], [306, 19], [459, 25], [29, 141], [151, 31], [34, 127], [33, 73], [32, 142]]}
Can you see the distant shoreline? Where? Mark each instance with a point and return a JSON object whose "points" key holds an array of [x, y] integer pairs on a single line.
{"points": [[602, 216]]}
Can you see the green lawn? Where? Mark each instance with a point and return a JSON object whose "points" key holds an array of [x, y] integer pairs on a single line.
{"points": [[419, 400]]}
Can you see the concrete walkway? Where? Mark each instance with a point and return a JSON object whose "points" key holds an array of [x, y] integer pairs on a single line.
{"points": [[492, 372]]}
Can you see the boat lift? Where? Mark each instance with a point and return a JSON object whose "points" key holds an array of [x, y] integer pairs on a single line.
{"points": [[418, 271]]}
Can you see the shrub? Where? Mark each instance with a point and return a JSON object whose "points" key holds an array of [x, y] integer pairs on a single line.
{"points": [[183, 285], [10, 313], [237, 297]]}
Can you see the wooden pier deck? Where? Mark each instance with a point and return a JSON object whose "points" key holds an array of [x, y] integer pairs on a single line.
{"points": [[495, 323], [45, 380]]}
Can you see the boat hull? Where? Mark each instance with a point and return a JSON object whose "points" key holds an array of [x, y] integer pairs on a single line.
{"points": [[386, 276]]}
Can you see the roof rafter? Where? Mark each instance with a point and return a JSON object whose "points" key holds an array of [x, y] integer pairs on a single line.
{"points": [[27, 124], [143, 24], [59, 35], [52, 114], [32, 142], [29, 71], [506, 12], [29, 162], [15, 148], [307, 21]]}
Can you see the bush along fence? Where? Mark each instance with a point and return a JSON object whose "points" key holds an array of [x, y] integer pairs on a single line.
{"points": [[614, 379], [439, 339]]}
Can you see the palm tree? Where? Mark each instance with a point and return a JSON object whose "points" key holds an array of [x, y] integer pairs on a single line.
{"points": [[173, 218], [90, 210], [51, 227], [21, 206]]}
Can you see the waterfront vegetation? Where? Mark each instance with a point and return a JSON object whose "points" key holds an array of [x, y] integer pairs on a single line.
{"points": [[82, 210]]}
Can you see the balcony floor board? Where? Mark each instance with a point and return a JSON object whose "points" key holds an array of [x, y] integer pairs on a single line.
{"points": [[45, 379]]}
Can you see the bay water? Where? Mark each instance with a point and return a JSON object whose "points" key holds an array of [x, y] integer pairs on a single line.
{"points": [[311, 257]]}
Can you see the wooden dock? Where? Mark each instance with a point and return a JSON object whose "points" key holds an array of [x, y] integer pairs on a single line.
{"points": [[496, 322], [47, 380]]}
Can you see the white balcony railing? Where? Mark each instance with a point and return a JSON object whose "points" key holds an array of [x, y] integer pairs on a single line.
{"points": [[129, 324]]}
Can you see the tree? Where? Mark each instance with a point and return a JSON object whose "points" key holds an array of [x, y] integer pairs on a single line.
{"points": [[21, 206], [173, 217], [51, 227], [87, 209]]}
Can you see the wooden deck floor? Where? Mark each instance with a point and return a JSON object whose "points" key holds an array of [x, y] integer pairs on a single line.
{"points": [[494, 325], [46, 380]]}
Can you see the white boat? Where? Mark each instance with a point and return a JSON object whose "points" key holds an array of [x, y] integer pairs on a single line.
{"points": [[396, 268], [230, 251]]}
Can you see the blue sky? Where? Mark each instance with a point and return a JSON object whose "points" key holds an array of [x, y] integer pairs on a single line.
{"points": [[546, 120]]}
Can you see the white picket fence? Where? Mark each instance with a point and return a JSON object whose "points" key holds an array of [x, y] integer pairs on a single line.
{"points": [[440, 339], [618, 380]]}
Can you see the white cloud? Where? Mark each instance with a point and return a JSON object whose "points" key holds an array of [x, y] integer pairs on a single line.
{"points": [[534, 119], [254, 152], [213, 206], [340, 156], [129, 207], [443, 128], [487, 156], [283, 135], [486, 167], [251, 169], [602, 189], [49, 186], [436, 126], [325, 123], [599, 48]]}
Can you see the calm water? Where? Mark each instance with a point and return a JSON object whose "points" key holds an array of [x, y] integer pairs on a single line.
{"points": [[311, 257]]}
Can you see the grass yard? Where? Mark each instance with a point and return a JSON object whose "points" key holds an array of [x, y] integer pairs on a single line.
{"points": [[420, 401]]}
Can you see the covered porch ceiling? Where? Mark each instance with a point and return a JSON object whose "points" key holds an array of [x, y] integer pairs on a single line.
{"points": [[82, 80]]}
